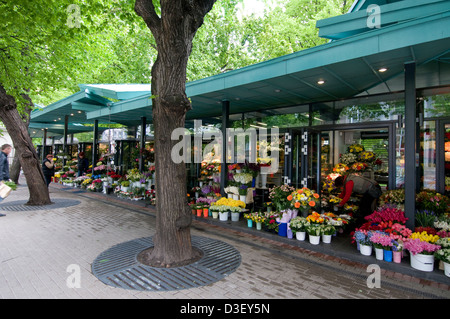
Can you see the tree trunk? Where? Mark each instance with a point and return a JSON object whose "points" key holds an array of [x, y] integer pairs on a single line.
{"points": [[14, 169], [173, 33], [23, 145]]}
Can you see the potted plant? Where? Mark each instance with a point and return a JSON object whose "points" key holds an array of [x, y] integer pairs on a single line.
{"points": [[298, 225], [443, 254], [124, 186], [243, 193], [259, 219], [205, 210], [199, 210], [362, 238], [421, 253], [249, 218], [214, 211], [314, 231], [397, 251], [380, 240], [327, 231]]}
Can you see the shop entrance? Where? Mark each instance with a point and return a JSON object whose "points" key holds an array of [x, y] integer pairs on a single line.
{"points": [[323, 152]]}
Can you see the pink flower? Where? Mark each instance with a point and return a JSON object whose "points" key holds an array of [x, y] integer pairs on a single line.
{"points": [[416, 246]]}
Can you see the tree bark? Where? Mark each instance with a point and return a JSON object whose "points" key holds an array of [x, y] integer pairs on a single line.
{"points": [[14, 169], [23, 145], [173, 32]]}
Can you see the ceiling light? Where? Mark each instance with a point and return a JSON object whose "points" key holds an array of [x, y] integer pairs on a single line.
{"points": [[320, 82], [71, 114], [79, 112], [277, 90], [382, 70]]}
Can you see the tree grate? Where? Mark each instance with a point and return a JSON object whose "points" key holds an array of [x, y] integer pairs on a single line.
{"points": [[20, 205], [119, 267]]}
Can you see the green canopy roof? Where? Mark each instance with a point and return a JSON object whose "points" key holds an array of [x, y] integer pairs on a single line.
{"points": [[350, 65]]}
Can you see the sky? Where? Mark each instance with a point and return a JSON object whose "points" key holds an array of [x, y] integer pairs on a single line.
{"points": [[253, 6]]}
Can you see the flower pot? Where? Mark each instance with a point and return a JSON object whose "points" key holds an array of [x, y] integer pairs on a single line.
{"points": [[379, 253], [234, 217], [124, 188], [199, 212], [447, 269], [194, 211], [300, 235], [326, 239], [282, 229], [223, 216], [422, 262], [365, 250], [235, 197], [215, 214], [387, 255], [258, 226], [205, 212], [249, 223], [243, 198], [230, 195], [397, 256], [263, 180], [289, 233], [314, 240]]}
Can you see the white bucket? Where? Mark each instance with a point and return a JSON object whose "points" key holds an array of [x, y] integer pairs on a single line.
{"points": [[422, 262]]}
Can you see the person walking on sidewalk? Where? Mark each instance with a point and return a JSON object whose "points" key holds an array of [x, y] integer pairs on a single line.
{"points": [[48, 168], [4, 166]]}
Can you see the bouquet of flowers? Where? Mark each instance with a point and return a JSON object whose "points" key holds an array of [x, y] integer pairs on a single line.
{"points": [[359, 166], [425, 237], [228, 204], [298, 224], [386, 214], [328, 229], [303, 198], [259, 217], [433, 201], [315, 218], [381, 240], [355, 148], [443, 223], [340, 168], [363, 237], [279, 195], [270, 221], [243, 178], [396, 197], [443, 254], [243, 190], [417, 246], [314, 229], [367, 156], [348, 158]]}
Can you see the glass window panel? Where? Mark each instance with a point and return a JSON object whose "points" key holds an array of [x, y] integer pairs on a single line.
{"points": [[437, 105], [428, 154]]}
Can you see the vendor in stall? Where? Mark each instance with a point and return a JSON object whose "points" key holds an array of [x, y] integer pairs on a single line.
{"points": [[368, 188]]}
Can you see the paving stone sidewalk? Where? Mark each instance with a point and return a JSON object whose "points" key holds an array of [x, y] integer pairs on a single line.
{"points": [[41, 250]]}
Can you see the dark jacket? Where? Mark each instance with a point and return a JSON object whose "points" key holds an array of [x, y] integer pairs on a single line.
{"points": [[83, 165], [48, 171], [4, 167]]}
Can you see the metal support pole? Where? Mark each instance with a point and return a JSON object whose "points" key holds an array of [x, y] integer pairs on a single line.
{"points": [[44, 144], [66, 130], [142, 143], [95, 145], [225, 123], [410, 143]]}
